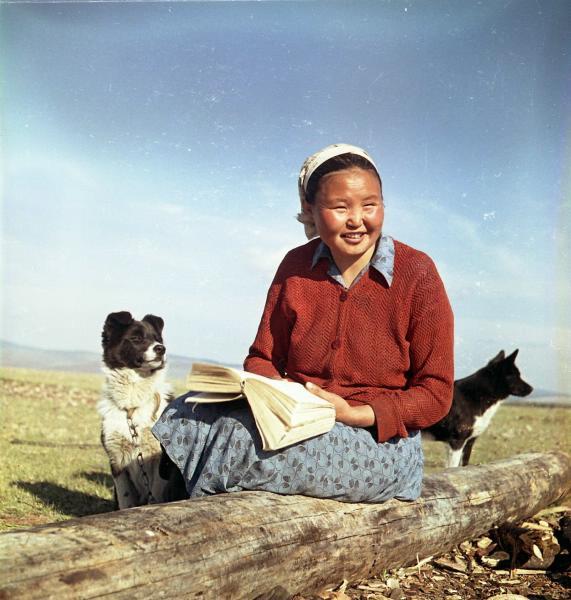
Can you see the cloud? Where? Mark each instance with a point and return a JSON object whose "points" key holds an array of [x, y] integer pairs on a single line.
{"points": [[121, 248], [170, 209], [502, 291], [470, 256], [31, 166], [545, 350], [265, 261], [82, 243]]}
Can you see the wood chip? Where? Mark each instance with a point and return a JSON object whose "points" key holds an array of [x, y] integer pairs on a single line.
{"points": [[494, 559], [456, 565], [393, 583], [537, 526], [508, 597], [552, 510], [521, 572], [477, 569], [372, 586]]}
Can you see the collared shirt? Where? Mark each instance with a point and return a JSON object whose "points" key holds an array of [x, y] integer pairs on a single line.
{"points": [[383, 261]]}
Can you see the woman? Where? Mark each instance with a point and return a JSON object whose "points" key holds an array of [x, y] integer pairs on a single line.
{"points": [[364, 322]]}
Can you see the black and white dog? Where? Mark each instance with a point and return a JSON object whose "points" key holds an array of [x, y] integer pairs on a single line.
{"points": [[476, 399], [134, 396]]}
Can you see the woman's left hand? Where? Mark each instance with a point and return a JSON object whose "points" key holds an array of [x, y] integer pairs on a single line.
{"points": [[357, 416]]}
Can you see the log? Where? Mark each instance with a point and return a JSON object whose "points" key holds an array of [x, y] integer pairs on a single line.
{"points": [[262, 545]]}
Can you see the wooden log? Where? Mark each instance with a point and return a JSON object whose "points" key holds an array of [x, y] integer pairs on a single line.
{"points": [[261, 545]]}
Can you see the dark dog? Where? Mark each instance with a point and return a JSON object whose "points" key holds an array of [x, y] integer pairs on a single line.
{"points": [[134, 396], [476, 399]]}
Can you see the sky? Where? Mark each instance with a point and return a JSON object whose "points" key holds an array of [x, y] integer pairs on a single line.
{"points": [[150, 154]]}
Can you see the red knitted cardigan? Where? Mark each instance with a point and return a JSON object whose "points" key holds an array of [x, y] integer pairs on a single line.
{"points": [[390, 347]]}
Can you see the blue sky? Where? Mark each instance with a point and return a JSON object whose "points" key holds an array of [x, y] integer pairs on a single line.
{"points": [[150, 154]]}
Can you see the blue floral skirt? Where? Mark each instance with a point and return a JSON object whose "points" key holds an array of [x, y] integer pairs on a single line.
{"points": [[217, 448]]}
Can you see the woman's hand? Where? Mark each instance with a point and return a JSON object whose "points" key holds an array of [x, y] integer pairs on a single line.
{"points": [[356, 416]]}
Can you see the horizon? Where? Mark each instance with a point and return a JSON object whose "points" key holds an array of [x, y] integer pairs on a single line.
{"points": [[151, 153], [536, 393]]}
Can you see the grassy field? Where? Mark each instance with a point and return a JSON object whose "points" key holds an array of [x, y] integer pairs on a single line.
{"points": [[54, 468]]}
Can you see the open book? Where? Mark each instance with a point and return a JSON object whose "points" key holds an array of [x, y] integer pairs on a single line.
{"points": [[284, 411]]}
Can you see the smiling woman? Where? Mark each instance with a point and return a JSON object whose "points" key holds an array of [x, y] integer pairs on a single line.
{"points": [[342, 202], [363, 321]]}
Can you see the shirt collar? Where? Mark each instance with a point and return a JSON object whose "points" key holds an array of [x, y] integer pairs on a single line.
{"points": [[383, 259]]}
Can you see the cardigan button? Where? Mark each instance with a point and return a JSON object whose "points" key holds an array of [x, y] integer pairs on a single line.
{"points": [[343, 296], [336, 345]]}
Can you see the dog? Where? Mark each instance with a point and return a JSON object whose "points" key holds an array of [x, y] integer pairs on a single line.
{"points": [[134, 395], [475, 401]]}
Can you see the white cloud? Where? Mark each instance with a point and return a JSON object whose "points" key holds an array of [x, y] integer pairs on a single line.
{"points": [[265, 261], [545, 351], [29, 165], [206, 269], [505, 294], [198, 270]]}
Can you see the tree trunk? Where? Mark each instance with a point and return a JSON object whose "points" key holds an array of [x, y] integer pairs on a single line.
{"points": [[256, 544]]}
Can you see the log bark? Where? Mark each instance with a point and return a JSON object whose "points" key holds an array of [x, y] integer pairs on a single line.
{"points": [[261, 545]]}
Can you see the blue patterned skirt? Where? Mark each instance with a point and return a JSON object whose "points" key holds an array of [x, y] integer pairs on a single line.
{"points": [[217, 448]]}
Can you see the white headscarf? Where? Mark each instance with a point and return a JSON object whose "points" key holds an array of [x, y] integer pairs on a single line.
{"points": [[309, 167]]}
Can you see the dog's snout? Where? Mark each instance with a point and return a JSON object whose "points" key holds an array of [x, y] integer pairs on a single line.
{"points": [[159, 350]]}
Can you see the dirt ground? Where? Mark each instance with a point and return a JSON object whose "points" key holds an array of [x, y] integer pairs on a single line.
{"points": [[433, 582], [529, 560]]}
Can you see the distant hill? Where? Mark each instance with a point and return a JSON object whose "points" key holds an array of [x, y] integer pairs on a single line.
{"points": [[27, 357]]}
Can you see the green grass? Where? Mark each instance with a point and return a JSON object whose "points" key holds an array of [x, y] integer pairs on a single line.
{"points": [[53, 466], [514, 430]]}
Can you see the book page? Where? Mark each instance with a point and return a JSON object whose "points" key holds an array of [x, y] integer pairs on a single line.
{"points": [[276, 434], [291, 392], [206, 377], [290, 409], [206, 397]]}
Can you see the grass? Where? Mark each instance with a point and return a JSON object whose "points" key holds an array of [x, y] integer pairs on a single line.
{"points": [[514, 430], [54, 468]]}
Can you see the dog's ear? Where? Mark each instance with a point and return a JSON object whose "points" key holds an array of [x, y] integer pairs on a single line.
{"points": [[114, 322], [123, 318], [156, 322], [512, 356], [498, 358]]}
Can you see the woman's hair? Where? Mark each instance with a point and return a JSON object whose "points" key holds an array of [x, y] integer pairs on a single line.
{"points": [[337, 163]]}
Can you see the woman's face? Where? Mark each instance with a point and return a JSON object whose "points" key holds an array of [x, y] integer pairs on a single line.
{"points": [[348, 213]]}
